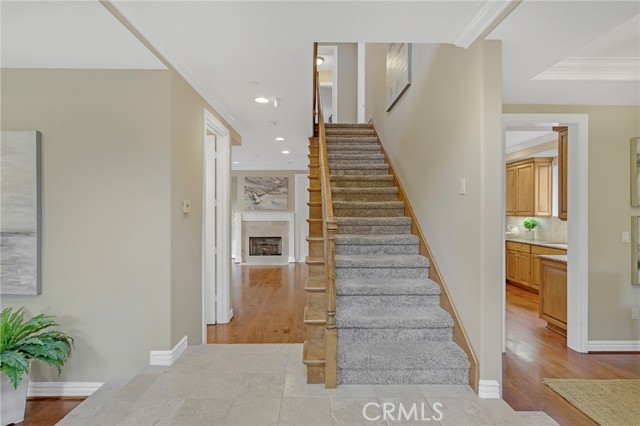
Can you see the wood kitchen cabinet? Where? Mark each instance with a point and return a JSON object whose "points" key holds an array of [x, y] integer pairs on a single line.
{"points": [[528, 187], [563, 151], [553, 295], [535, 262]]}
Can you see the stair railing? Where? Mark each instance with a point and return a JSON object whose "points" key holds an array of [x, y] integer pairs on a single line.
{"points": [[330, 228]]}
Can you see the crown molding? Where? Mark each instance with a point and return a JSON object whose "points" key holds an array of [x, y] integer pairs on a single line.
{"points": [[593, 69], [483, 17]]}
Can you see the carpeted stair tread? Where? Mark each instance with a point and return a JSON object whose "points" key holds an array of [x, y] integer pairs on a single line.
{"points": [[399, 239], [397, 261], [368, 205], [393, 317], [351, 139], [348, 126], [336, 131], [410, 355], [352, 147], [373, 221], [363, 166], [355, 157], [386, 287], [351, 178]]}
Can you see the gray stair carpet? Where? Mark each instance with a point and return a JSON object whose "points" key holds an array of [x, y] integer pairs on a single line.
{"points": [[391, 328]]}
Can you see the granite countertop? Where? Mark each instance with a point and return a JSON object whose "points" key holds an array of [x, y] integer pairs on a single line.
{"points": [[543, 243], [555, 257]]}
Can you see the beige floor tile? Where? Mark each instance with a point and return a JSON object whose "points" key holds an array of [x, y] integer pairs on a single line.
{"points": [[239, 386], [202, 412], [461, 411], [305, 412], [408, 410], [296, 387], [253, 412], [500, 412], [136, 387], [384, 391], [156, 412], [172, 386], [446, 390], [351, 411]]}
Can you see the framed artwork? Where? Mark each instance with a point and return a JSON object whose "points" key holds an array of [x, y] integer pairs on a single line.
{"points": [[20, 212], [635, 172], [398, 71], [266, 193], [635, 250]]}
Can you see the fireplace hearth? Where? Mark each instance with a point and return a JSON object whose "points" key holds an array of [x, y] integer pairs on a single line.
{"points": [[265, 246]]}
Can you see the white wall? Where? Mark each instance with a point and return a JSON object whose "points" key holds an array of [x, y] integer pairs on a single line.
{"points": [[445, 127]]}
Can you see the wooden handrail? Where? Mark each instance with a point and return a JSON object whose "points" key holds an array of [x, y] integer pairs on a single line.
{"points": [[330, 228], [315, 88]]}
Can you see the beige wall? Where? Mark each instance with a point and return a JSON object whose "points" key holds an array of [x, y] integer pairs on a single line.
{"points": [[347, 82], [106, 240], [611, 296], [241, 174], [447, 126]]}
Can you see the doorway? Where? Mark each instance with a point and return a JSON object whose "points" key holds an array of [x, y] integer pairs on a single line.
{"points": [[577, 227], [328, 73], [216, 223]]}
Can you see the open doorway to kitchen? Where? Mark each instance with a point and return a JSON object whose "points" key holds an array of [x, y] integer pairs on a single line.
{"points": [[328, 80]]}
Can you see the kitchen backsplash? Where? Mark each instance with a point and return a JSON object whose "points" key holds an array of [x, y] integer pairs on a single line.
{"points": [[549, 229]]}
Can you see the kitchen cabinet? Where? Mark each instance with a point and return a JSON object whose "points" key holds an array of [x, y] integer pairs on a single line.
{"points": [[553, 294], [563, 151], [519, 264], [528, 187], [535, 262]]}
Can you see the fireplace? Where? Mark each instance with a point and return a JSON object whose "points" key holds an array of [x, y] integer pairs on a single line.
{"points": [[265, 246]]}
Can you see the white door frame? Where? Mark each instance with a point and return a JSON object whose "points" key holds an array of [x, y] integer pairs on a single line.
{"points": [[216, 266], [577, 225], [362, 77], [301, 215], [333, 51]]}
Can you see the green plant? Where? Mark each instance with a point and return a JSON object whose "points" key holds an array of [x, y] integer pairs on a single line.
{"points": [[529, 223], [23, 341]]}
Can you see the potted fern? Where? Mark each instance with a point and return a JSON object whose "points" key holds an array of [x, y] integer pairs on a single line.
{"points": [[529, 224], [20, 343]]}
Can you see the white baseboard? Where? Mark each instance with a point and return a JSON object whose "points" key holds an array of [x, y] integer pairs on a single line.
{"points": [[292, 259], [170, 356], [63, 388], [614, 346], [489, 389]]}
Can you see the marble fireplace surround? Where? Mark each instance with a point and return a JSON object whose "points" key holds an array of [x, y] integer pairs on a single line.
{"points": [[264, 224]]}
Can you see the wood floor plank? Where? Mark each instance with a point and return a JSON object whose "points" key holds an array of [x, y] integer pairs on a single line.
{"points": [[268, 305], [534, 352], [47, 411]]}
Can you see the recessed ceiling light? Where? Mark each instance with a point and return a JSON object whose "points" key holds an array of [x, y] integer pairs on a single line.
{"points": [[319, 60], [236, 162], [279, 139], [262, 100], [285, 152]]}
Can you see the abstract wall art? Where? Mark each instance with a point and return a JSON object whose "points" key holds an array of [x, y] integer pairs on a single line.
{"points": [[20, 212], [266, 193], [398, 71]]}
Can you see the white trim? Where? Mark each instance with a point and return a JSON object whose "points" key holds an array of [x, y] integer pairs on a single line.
{"points": [[489, 389], [614, 346], [362, 64], [137, 15], [170, 356], [578, 230], [222, 303], [482, 18], [267, 217], [593, 69], [63, 388]]}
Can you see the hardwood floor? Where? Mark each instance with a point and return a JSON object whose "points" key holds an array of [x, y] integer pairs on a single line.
{"points": [[535, 352], [268, 306], [47, 411]]}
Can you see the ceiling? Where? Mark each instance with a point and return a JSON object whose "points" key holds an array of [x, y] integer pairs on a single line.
{"points": [[68, 35], [235, 51]]}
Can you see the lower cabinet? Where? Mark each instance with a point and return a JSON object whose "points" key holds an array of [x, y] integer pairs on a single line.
{"points": [[523, 264], [553, 295]]}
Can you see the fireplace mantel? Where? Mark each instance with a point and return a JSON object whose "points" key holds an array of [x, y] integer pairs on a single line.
{"points": [[264, 216]]}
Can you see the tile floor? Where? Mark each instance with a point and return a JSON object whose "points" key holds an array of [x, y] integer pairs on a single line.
{"points": [[264, 384]]}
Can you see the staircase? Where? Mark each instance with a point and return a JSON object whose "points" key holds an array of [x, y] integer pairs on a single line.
{"points": [[391, 328]]}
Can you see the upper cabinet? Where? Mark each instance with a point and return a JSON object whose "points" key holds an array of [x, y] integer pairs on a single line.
{"points": [[529, 187], [563, 138]]}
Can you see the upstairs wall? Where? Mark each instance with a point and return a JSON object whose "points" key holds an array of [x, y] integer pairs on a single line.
{"points": [[447, 126]]}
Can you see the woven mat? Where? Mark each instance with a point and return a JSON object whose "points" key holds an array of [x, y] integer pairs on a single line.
{"points": [[607, 402]]}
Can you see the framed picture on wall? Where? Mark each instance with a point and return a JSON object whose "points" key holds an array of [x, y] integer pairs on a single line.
{"points": [[635, 172], [266, 193], [398, 71]]}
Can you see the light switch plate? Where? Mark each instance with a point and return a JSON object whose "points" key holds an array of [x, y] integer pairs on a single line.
{"points": [[463, 186], [186, 206], [625, 236]]}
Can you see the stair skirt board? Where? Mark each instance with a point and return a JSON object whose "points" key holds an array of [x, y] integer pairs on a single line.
{"points": [[391, 327]]}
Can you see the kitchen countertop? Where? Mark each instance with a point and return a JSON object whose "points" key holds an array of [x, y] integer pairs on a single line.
{"points": [[561, 246], [555, 257]]}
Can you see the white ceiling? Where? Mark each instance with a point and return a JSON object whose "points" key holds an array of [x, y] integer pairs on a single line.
{"points": [[68, 35], [221, 47]]}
